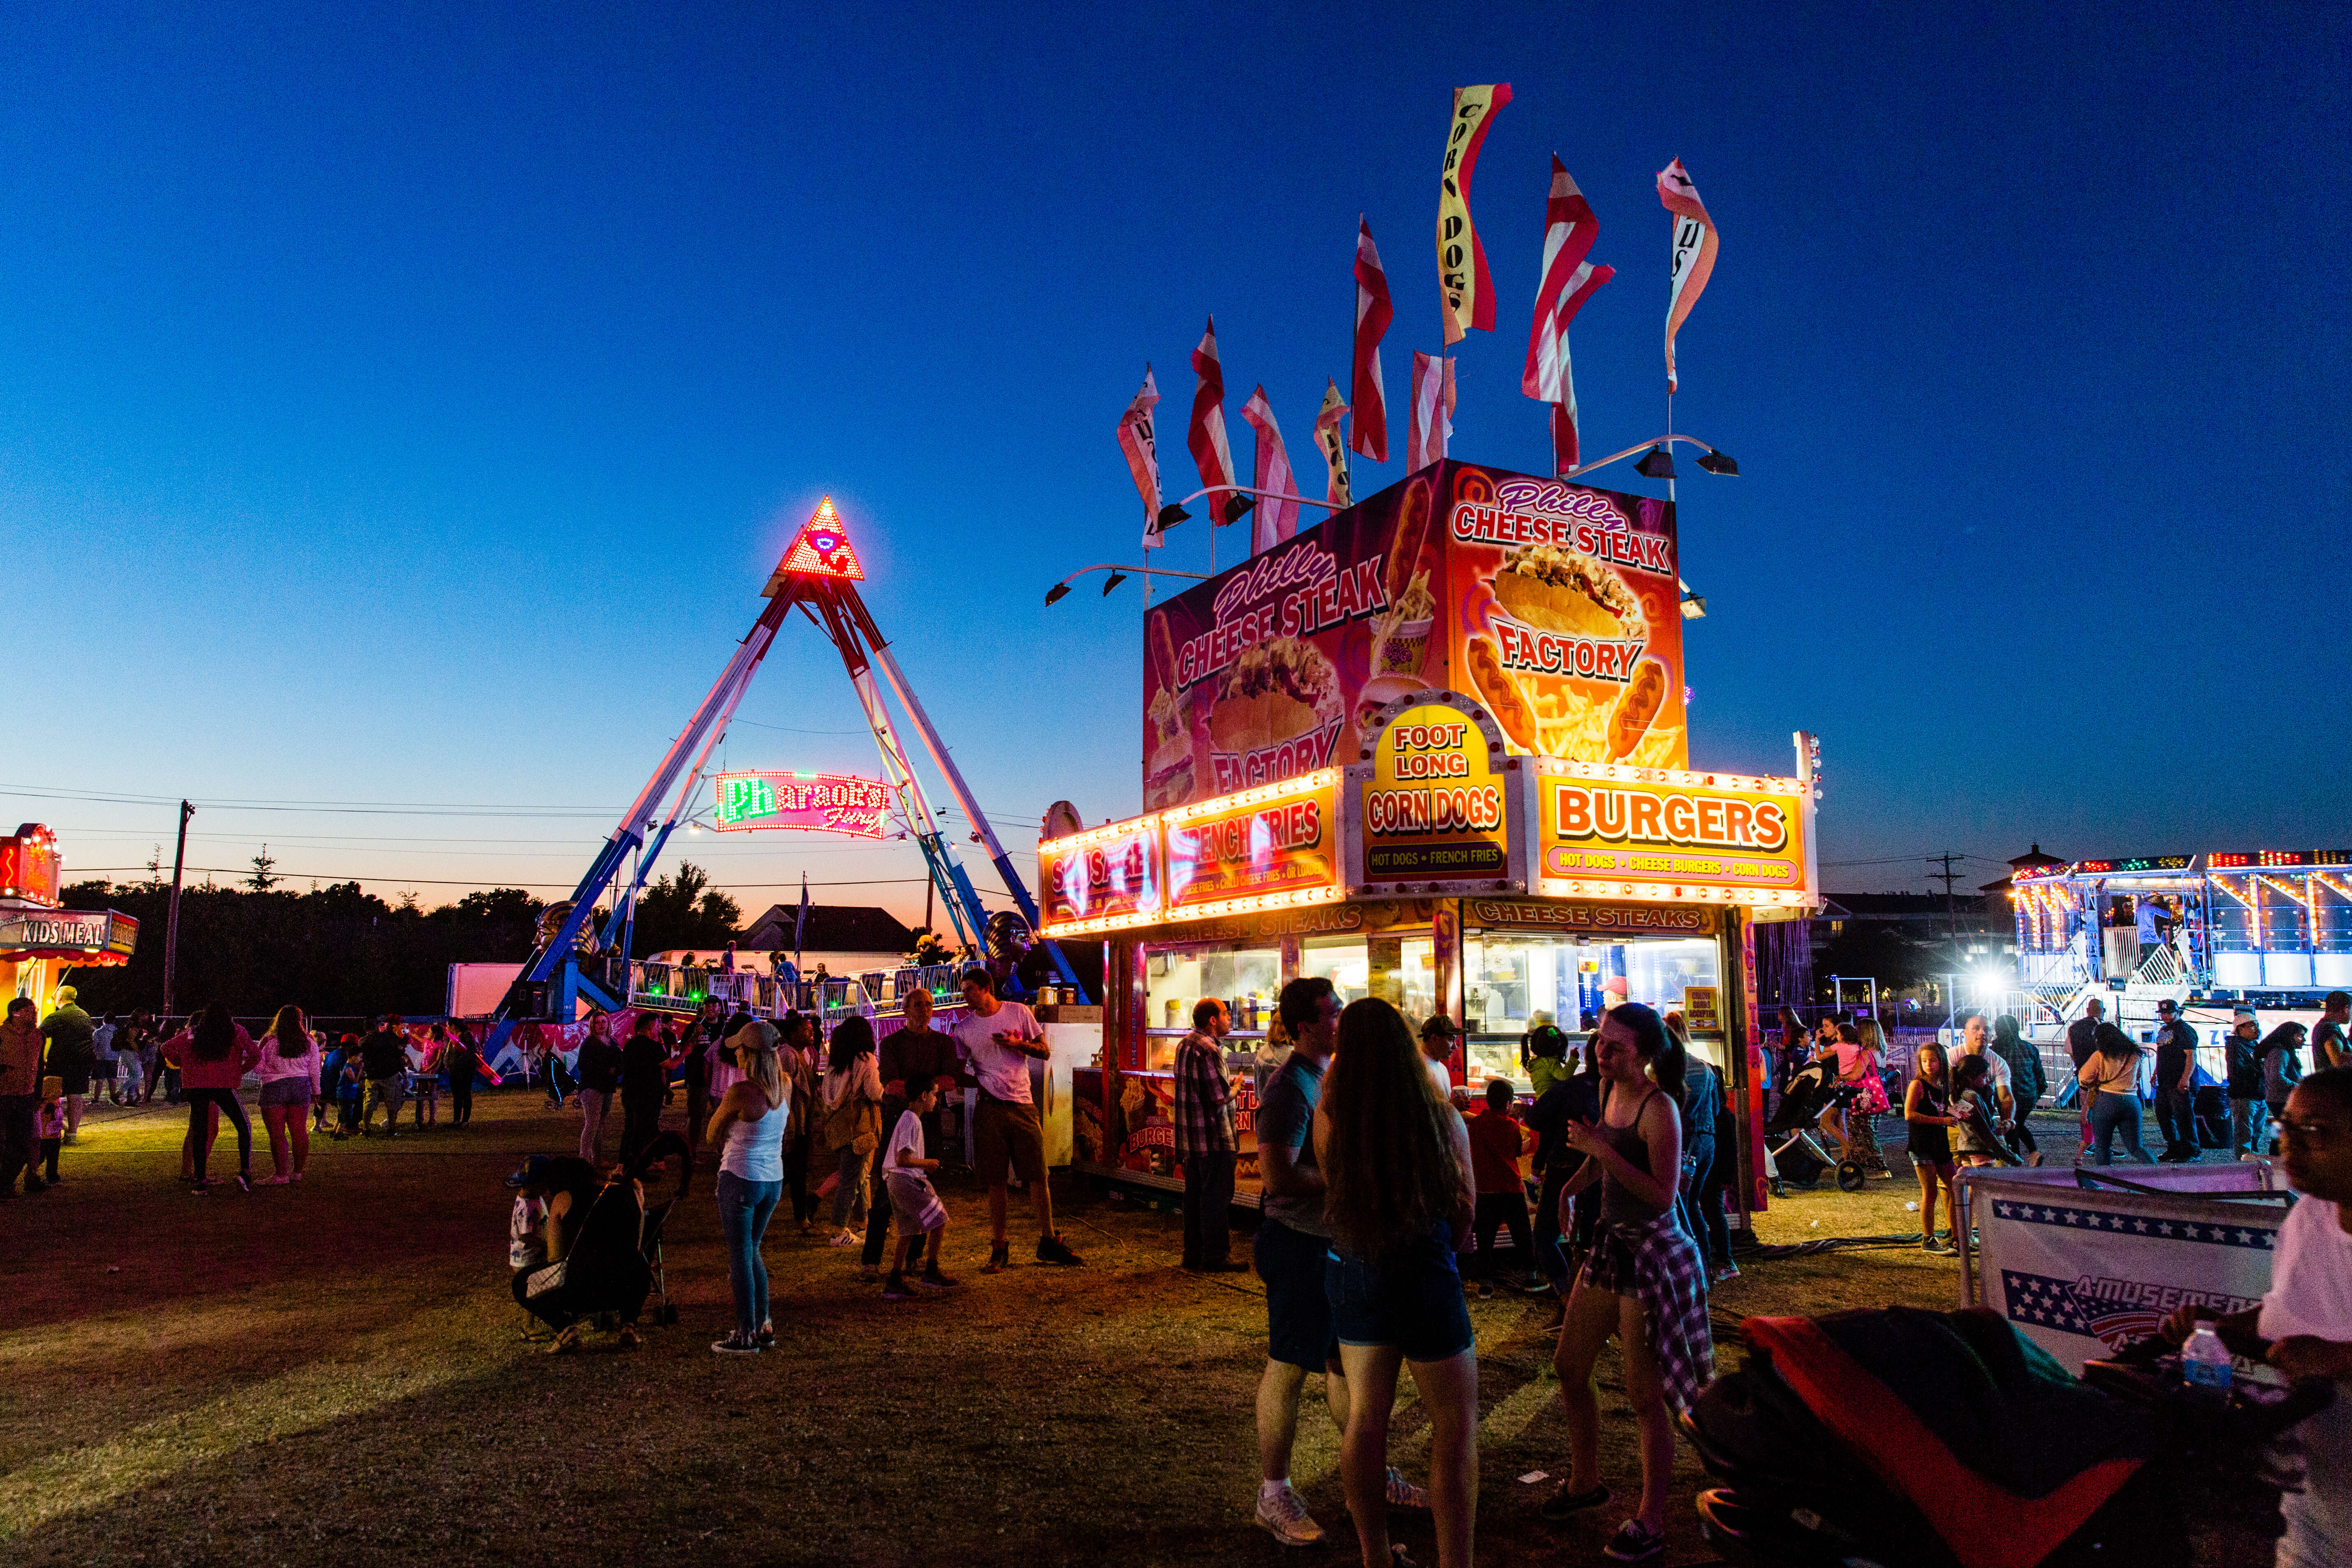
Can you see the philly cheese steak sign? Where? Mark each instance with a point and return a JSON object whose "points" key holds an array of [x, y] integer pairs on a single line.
{"points": [[1434, 798]]}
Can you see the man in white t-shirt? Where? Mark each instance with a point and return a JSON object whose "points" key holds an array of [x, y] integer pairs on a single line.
{"points": [[998, 1040], [1974, 1038], [1437, 1038], [2304, 1326]]}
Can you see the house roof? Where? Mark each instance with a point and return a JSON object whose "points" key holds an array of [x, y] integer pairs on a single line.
{"points": [[831, 928]]}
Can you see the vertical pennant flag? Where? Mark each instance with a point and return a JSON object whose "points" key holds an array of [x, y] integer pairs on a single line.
{"points": [[1569, 279], [1136, 440], [1333, 444], [1694, 252], [1432, 411], [1469, 293], [1207, 436], [1373, 313], [800, 921], [1276, 519]]}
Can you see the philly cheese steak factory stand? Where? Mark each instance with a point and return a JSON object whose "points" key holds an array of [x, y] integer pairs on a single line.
{"points": [[1432, 749]]}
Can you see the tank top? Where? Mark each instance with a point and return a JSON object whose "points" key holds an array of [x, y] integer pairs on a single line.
{"points": [[755, 1145], [1618, 1203]]}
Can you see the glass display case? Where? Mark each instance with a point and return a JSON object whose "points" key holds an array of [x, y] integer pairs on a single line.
{"points": [[1247, 978], [1513, 980]]}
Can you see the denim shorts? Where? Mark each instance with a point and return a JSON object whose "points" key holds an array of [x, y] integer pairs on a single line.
{"points": [[1297, 1305], [1412, 1300]]}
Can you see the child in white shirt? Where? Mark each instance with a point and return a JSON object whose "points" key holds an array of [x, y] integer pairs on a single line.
{"points": [[914, 1203]]}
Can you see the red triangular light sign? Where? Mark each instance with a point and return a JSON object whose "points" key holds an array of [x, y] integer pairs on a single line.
{"points": [[822, 548]]}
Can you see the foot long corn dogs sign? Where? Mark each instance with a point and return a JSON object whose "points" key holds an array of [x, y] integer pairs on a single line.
{"points": [[1555, 606]]}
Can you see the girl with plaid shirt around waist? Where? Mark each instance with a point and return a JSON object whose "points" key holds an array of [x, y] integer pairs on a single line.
{"points": [[1643, 1282]]}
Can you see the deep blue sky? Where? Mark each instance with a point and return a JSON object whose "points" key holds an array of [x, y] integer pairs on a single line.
{"points": [[406, 407]]}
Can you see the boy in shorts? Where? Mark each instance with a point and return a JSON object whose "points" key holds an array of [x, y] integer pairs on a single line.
{"points": [[913, 1202]]}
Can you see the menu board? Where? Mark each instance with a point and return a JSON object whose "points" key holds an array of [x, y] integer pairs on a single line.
{"points": [[1435, 803], [1556, 606], [1103, 878], [1655, 833], [1265, 845]]}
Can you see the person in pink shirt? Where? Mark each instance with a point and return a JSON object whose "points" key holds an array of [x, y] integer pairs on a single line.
{"points": [[214, 1053], [289, 1071]]}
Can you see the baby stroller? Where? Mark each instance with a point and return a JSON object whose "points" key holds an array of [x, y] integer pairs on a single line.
{"points": [[1796, 1156], [1945, 1440], [664, 1146]]}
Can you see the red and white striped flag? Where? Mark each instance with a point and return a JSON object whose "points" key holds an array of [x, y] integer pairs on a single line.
{"points": [[1373, 313], [1207, 438], [1334, 445], [1276, 519], [1569, 279], [1432, 411], [1694, 252], [1136, 440]]}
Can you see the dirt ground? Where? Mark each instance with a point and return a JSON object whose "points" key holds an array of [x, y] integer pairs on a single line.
{"points": [[332, 1371]]}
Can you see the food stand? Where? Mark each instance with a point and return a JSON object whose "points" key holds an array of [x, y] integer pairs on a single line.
{"points": [[1432, 749], [40, 941]]}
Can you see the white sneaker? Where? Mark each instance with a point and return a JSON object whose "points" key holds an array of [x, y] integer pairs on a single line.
{"points": [[1284, 1514], [848, 1238]]}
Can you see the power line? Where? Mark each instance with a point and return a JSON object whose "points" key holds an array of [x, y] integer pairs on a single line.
{"points": [[446, 882]]}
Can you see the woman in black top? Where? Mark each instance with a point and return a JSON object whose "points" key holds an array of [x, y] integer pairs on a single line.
{"points": [[1926, 1110]]}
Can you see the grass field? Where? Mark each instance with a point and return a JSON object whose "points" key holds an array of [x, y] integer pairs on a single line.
{"points": [[334, 1373]]}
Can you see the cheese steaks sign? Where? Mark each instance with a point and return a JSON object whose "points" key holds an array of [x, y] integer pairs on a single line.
{"points": [[1435, 801]]}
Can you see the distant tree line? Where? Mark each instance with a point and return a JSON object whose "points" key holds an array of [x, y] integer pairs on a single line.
{"points": [[340, 952]]}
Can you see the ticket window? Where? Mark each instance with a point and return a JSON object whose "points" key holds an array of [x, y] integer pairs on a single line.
{"points": [[1246, 979]]}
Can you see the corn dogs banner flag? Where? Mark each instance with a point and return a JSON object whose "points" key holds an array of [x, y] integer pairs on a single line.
{"points": [[1276, 519], [1373, 313], [1569, 279], [1211, 454], [1334, 445], [1694, 252], [1137, 441], [1469, 292]]}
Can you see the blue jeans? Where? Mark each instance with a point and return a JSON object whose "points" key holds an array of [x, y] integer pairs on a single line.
{"points": [[2110, 1114], [743, 1210]]}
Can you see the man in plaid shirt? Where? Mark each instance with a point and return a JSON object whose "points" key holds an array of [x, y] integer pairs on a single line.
{"points": [[1205, 1138]]}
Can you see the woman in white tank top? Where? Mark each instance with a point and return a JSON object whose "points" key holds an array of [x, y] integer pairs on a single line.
{"points": [[748, 1128]]}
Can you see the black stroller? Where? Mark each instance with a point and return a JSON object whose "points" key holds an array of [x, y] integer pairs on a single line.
{"points": [[1789, 1143], [1945, 1440]]}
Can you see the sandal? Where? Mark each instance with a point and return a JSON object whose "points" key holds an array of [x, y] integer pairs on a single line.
{"points": [[566, 1341]]}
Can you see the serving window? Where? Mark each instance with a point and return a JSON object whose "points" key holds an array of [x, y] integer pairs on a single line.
{"points": [[1247, 978], [1514, 981]]}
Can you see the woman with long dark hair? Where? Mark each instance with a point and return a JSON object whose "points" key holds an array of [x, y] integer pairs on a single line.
{"points": [[1397, 1195], [288, 1070], [461, 1061], [853, 1122], [214, 1053], [1643, 1282], [2110, 1085]]}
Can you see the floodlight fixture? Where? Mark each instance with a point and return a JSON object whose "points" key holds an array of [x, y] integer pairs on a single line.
{"points": [[1655, 464]]}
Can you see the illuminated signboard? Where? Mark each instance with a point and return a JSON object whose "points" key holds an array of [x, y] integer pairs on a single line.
{"points": [[30, 869], [79, 934], [1659, 835], [1104, 878], [818, 803], [1434, 805], [2128, 867], [821, 549], [2278, 859], [1262, 849]]}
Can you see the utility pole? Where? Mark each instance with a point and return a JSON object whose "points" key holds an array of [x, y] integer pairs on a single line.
{"points": [[1951, 911], [172, 922]]}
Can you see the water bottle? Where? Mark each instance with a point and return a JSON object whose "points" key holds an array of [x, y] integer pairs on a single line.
{"points": [[2205, 1361]]}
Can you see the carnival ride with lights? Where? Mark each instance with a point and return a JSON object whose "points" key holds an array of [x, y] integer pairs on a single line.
{"points": [[817, 575], [2269, 928]]}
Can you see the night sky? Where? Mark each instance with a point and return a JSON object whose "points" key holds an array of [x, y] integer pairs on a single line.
{"points": [[403, 407]]}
